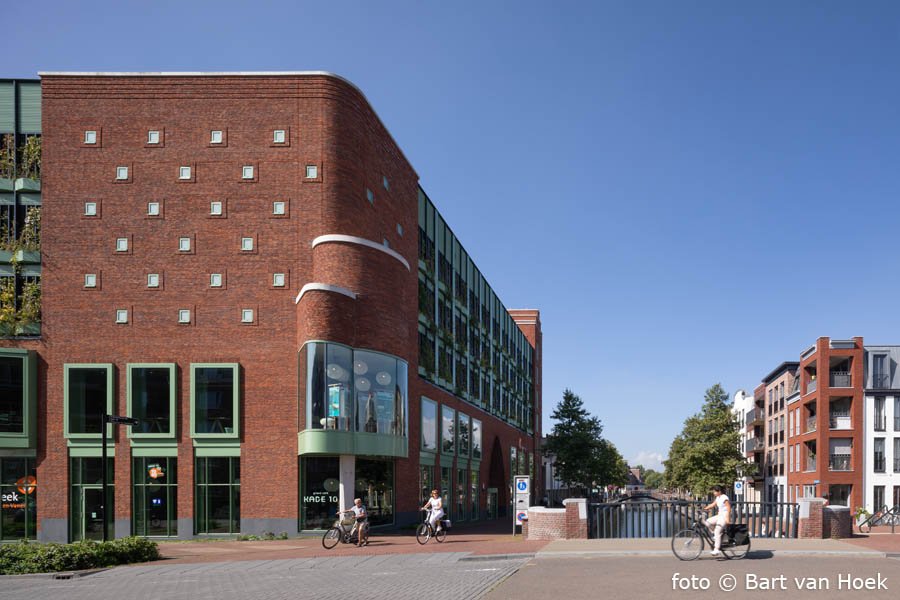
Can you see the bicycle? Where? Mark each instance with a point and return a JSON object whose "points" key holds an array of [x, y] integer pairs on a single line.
{"points": [[688, 544], [344, 531], [885, 516], [425, 531]]}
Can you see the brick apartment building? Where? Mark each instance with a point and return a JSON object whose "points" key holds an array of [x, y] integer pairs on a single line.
{"points": [[778, 385], [247, 264]]}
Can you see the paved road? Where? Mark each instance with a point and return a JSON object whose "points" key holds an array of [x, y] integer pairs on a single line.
{"points": [[651, 577], [435, 576]]}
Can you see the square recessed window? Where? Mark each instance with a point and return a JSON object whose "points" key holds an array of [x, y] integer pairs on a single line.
{"points": [[121, 316], [121, 244], [279, 136], [152, 137], [312, 171], [279, 208], [246, 244], [153, 209], [90, 280], [90, 209], [152, 280], [385, 183], [90, 137], [121, 172], [385, 242], [215, 137], [184, 315], [215, 207], [184, 244], [399, 229], [246, 315], [215, 280], [247, 172], [278, 279], [184, 172], [370, 196]]}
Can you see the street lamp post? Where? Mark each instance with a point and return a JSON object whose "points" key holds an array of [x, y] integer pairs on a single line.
{"points": [[115, 420]]}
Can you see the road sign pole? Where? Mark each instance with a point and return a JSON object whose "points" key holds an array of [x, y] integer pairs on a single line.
{"points": [[103, 418]]}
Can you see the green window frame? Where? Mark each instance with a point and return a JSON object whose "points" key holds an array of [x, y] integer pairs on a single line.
{"points": [[148, 490], [150, 427], [69, 370], [435, 436], [18, 394], [211, 515], [234, 432], [448, 435]]}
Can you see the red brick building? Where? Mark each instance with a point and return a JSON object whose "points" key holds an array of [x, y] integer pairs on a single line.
{"points": [[247, 264]]}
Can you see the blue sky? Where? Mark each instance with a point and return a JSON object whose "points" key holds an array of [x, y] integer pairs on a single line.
{"points": [[690, 192]]}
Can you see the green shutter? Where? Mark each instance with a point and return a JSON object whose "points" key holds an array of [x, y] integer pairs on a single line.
{"points": [[30, 107], [7, 107]]}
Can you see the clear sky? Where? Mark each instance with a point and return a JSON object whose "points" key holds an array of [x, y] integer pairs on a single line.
{"points": [[690, 192]]}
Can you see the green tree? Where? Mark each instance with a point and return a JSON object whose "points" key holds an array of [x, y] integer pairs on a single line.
{"points": [[706, 451], [653, 479], [583, 457]]}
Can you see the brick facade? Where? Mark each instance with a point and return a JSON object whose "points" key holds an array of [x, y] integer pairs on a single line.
{"points": [[329, 125]]}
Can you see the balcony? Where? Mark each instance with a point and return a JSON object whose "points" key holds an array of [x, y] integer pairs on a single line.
{"points": [[810, 463], [839, 462], [754, 416], [810, 424], [753, 445], [811, 386], [840, 379], [839, 419]]}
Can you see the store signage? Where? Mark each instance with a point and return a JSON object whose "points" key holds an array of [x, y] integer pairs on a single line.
{"points": [[321, 498], [12, 500], [122, 420], [155, 472], [27, 484]]}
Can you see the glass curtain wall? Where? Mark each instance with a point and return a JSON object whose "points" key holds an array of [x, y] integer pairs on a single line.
{"points": [[155, 496], [319, 491], [86, 498], [18, 489], [217, 495], [375, 486]]}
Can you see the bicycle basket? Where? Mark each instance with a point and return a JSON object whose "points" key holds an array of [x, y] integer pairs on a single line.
{"points": [[738, 534], [446, 523], [347, 521]]}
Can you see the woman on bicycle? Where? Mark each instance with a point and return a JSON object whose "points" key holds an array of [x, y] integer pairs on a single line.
{"points": [[723, 516], [437, 510]]}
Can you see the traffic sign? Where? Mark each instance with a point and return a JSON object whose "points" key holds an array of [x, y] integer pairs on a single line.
{"points": [[523, 482], [738, 487], [122, 420], [521, 515]]}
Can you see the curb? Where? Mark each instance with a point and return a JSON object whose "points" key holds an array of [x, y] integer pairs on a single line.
{"points": [[484, 557], [612, 553], [61, 575]]}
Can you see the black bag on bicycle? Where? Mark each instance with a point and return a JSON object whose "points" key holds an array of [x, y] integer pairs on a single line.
{"points": [[738, 534]]}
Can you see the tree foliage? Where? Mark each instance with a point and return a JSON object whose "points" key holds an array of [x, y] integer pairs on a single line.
{"points": [[583, 458], [706, 452], [653, 479]]}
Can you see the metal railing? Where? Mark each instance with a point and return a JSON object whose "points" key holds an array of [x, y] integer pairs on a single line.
{"points": [[839, 462], [840, 379], [881, 381], [753, 444], [811, 386], [661, 519], [839, 419], [810, 463]]}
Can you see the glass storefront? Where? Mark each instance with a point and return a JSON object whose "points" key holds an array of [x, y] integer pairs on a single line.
{"points": [[86, 498], [448, 430], [217, 495], [355, 390], [446, 473], [462, 487], [18, 499], [319, 491], [426, 483], [155, 496], [375, 486], [473, 493], [463, 437]]}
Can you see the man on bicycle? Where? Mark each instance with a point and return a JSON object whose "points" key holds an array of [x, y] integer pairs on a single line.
{"points": [[361, 527], [723, 516]]}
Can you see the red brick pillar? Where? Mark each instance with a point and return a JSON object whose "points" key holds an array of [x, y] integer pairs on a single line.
{"points": [[576, 518], [811, 523], [837, 522]]}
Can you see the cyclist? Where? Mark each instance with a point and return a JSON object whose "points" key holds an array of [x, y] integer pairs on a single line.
{"points": [[723, 516], [361, 527], [437, 510]]}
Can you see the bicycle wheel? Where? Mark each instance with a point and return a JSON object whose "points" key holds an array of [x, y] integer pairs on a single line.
{"points": [[441, 534], [331, 538], [687, 544], [865, 526], [737, 552], [423, 533]]}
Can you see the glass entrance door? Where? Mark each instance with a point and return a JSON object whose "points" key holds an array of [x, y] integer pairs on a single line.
{"points": [[92, 522], [492, 503]]}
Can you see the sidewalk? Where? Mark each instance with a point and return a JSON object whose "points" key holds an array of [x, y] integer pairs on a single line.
{"points": [[662, 546]]}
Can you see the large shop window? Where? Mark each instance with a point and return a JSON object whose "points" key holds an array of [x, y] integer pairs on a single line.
{"points": [[448, 430], [375, 486], [88, 392], [474, 493], [446, 482], [215, 398], [217, 495], [319, 491], [355, 390], [155, 496], [429, 425], [462, 488], [463, 421], [151, 399], [86, 512], [12, 394], [18, 490], [476, 439], [426, 483]]}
